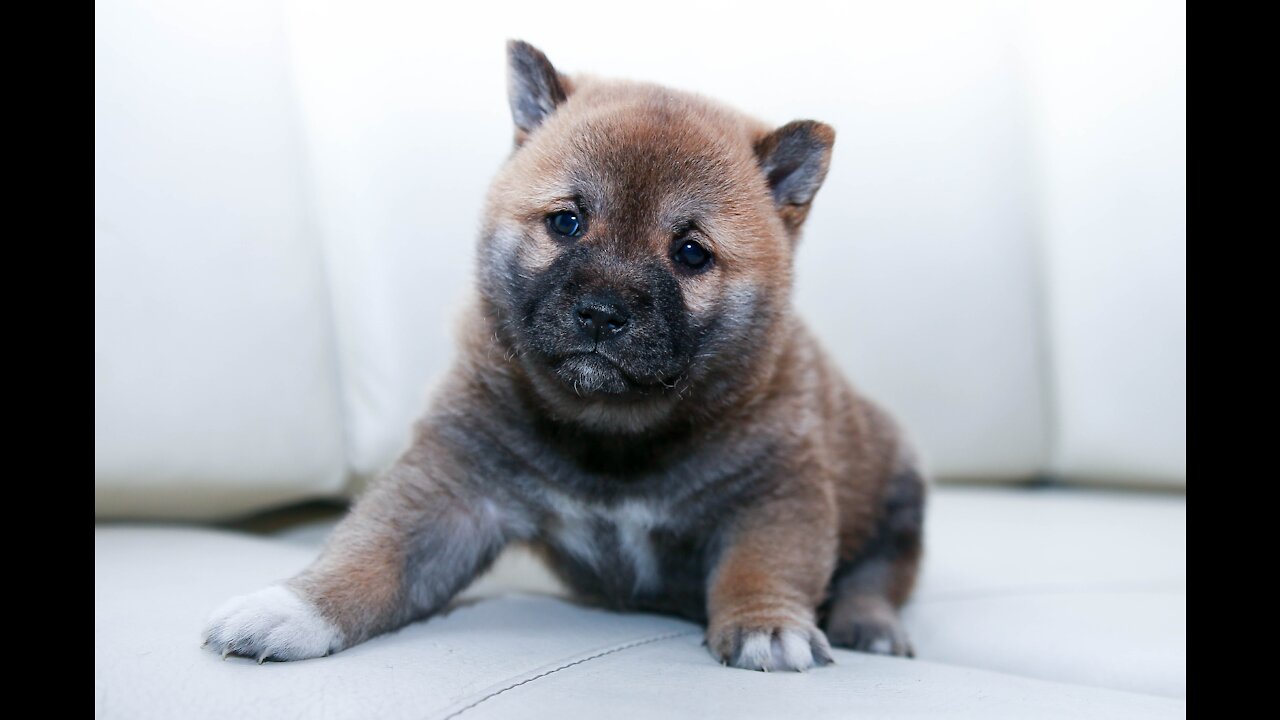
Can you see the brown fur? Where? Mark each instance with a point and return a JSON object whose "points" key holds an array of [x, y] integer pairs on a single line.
{"points": [[716, 466]]}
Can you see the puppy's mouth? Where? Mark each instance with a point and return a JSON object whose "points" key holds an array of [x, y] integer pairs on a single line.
{"points": [[593, 374]]}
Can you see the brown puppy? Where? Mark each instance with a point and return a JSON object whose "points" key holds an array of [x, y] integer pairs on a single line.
{"points": [[635, 397]]}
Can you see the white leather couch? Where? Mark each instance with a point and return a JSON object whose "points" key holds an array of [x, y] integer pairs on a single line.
{"points": [[285, 201]]}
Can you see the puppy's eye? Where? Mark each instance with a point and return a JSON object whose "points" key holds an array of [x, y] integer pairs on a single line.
{"points": [[692, 255], [565, 223]]}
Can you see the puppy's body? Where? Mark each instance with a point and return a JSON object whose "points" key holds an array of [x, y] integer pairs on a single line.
{"points": [[637, 399]]}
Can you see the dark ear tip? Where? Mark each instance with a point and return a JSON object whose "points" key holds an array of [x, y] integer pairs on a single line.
{"points": [[820, 132], [519, 50]]}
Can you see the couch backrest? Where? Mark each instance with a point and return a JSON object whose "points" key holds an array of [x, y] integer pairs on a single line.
{"points": [[216, 385], [287, 197]]}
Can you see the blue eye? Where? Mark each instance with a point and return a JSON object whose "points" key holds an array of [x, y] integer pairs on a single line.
{"points": [[692, 255], [565, 223]]}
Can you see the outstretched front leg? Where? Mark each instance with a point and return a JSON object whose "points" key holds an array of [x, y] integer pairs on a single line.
{"points": [[772, 573], [419, 536]]}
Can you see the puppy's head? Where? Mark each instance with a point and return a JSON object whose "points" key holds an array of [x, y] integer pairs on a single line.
{"points": [[637, 245]]}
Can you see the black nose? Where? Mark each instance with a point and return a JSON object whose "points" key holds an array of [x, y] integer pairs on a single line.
{"points": [[601, 318]]}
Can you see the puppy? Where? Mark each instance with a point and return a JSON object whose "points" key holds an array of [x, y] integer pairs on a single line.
{"points": [[636, 398]]}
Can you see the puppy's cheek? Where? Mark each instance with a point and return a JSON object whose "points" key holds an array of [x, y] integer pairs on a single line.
{"points": [[497, 261], [732, 302], [518, 253], [701, 293], [740, 305], [733, 327], [536, 253]]}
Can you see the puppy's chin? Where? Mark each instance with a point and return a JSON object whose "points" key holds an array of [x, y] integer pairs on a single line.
{"points": [[591, 375], [592, 392]]}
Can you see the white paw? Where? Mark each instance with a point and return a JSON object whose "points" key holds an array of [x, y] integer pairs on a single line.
{"points": [[777, 648], [271, 624]]}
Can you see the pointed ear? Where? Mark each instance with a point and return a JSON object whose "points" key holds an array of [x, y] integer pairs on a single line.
{"points": [[534, 88], [794, 160]]}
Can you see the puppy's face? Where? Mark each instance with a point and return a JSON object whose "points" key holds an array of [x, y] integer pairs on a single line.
{"points": [[637, 248]]}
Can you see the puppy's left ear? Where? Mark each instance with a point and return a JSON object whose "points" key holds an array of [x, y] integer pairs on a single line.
{"points": [[794, 159], [534, 88]]}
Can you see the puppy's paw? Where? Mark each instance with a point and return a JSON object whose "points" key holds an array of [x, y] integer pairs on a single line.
{"points": [[783, 646], [271, 624], [879, 632]]}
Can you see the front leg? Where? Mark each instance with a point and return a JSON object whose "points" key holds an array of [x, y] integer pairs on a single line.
{"points": [[418, 537], [770, 578]]}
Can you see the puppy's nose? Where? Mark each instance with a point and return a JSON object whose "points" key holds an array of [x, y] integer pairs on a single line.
{"points": [[601, 318]]}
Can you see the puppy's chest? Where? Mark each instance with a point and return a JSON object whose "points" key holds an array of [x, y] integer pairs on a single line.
{"points": [[633, 553]]}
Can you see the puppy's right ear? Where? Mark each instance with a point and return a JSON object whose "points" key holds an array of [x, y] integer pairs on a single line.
{"points": [[534, 88]]}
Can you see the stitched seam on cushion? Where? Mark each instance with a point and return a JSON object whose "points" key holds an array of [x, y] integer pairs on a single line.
{"points": [[539, 676]]}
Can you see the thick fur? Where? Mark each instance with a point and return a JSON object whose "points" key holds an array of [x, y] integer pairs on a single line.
{"points": [[708, 461]]}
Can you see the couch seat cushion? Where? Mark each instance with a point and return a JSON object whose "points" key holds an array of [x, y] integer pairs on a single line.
{"points": [[1002, 589]]}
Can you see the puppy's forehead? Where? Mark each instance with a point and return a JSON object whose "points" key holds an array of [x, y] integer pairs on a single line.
{"points": [[652, 156], [625, 149]]}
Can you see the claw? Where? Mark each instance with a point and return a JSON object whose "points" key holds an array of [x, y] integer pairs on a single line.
{"points": [[225, 653], [262, 658]]}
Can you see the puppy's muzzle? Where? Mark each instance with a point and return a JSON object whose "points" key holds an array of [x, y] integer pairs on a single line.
{"points": [[601, 317]]}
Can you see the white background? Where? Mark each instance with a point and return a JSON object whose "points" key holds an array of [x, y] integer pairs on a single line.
{"points": [[286, 199]]}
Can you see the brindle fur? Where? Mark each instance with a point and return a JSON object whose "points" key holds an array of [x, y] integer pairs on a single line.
{"points": [[710, 462]]}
